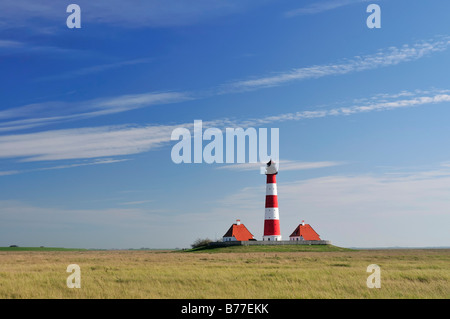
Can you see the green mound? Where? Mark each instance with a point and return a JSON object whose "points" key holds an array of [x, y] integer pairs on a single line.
{"points": [[268, 248]]}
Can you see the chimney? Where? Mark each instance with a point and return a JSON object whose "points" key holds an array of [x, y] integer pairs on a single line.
{"points": [[238, 222], [303, 223]]}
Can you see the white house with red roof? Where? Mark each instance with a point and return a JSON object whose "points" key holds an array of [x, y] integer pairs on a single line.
{"points": [[238, 232], [304, 232]]}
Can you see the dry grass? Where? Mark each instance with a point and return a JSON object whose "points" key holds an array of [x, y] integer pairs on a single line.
{"points": [[155, 274]]}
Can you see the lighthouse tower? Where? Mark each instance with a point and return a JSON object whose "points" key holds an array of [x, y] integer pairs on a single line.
{"points": [[271, 217]]}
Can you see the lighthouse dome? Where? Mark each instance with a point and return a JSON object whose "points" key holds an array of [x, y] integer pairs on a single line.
{"points": [[271, 168]]}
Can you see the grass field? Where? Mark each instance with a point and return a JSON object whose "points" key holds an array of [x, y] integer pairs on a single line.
{"points": [[226, 273]]}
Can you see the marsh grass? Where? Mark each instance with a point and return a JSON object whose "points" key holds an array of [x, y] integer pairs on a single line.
{"points": [[159, 274]]}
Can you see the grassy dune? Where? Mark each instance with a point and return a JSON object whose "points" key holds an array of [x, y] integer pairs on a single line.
{"points": [[168, 274], [268, 248]]}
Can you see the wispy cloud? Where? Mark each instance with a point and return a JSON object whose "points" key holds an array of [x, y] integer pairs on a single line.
{"points": [[94, 162], [72, 165], [13, 47], [112, 141], [39, 114], [10, 44], [83, 143], [95, 69], [381, 102], [5, 173], [139, 202], [321, 6], [387, 57]]}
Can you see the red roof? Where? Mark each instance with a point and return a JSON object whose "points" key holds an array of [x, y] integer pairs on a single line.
{"points": [[240, 232], [306, 231]]}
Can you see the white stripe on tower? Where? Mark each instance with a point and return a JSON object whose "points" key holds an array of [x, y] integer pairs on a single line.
{"points": [[271, 189]]}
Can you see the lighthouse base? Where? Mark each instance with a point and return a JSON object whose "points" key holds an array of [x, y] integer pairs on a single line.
{"points": [[272, 238]]}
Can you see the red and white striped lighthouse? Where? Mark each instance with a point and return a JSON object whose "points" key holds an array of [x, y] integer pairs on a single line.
{"points": [[271, 217]]}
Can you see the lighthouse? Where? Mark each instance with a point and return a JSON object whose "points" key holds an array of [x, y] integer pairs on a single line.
{"points": [[271, 217]]}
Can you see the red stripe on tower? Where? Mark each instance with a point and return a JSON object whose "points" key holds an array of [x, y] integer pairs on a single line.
{"points": [[271, 217], [271, 201]]}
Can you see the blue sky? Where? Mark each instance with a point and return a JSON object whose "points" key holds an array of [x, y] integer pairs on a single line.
{"points": [[86, 117]]}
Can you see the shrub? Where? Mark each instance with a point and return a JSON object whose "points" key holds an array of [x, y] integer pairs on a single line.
{"points": [[201, 242]]}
